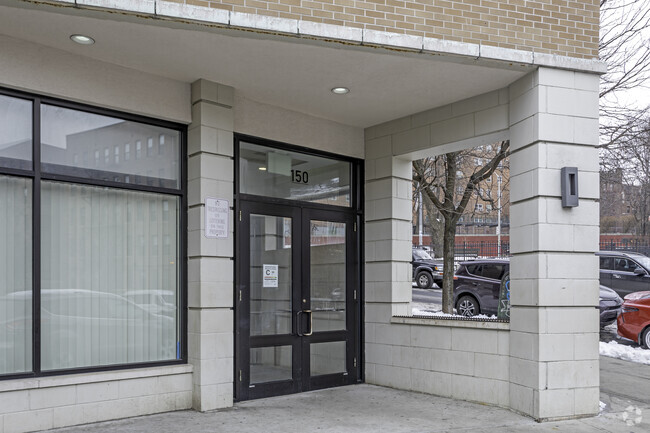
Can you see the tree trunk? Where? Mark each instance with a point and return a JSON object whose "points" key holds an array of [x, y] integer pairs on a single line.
{"points": [[449, 247]]}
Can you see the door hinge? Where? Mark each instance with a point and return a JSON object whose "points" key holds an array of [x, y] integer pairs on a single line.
{"points": [[355, 294], [239, 215], [240, 375], [240, 296], [355, 363], [355, 226]]}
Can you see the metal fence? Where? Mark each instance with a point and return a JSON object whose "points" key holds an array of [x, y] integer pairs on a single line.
{"points": [[632, 245], [473, 250]]}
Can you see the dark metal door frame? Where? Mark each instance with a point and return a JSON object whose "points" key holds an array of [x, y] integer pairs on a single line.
{"points": [[301, 215]]}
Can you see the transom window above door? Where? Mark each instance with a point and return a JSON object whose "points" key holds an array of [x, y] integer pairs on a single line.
{"points": [[279, 173]]}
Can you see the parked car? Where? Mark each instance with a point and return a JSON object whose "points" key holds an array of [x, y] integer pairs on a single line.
{"points": [[624, 272], [477, 284], [634, 320], [426, 269], [155, 301], [609, 306], [82, 327]]}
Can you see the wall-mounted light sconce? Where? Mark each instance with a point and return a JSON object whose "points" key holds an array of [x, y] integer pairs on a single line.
{"points": [[569, 186]]}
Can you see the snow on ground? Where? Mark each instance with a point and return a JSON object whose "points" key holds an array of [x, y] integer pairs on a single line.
{"points": [[426, 310], [627, 353]]}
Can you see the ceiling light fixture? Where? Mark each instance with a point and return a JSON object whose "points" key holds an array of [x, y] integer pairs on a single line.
{"points": [[82, 39], [262, 168], [340, 90]]}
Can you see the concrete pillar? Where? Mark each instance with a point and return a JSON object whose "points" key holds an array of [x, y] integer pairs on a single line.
{"points": [[210, 265], [388, 231], [554, 287]]}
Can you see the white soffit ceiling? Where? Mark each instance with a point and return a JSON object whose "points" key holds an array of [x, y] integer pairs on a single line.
{"points": [[287, 72]]}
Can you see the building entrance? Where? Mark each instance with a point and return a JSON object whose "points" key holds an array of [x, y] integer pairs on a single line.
{"points": [[297, 297]]}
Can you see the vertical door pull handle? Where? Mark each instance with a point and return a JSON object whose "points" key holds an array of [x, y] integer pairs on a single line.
{"points": [[311, 322]]}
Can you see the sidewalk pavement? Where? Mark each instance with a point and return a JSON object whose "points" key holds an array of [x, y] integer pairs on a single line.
{"points": [[625, 391]]}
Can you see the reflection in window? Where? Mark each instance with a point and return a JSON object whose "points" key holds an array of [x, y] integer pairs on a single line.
{"points": [[15, 132], [66, 132]]}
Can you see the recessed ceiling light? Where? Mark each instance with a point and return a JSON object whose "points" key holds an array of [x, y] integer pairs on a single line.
{"points": [[82, 39], [340, 90], [262, 168]]}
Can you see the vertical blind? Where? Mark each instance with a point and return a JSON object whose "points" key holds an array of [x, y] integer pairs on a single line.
{"points": [[100, 246], [15, 275]]}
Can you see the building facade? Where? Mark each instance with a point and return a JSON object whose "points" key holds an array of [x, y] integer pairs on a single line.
{"points": [[212, 202]]}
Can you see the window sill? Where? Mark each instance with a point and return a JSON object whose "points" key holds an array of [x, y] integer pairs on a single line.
{"points": [[95, 377], [450, 323]]}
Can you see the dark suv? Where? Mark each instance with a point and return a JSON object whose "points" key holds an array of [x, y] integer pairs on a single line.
{"points": [[477, 285], [624, 272], [426, 269]]}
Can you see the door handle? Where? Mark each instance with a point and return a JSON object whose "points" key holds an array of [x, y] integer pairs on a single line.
{"points": [[311, 323]]}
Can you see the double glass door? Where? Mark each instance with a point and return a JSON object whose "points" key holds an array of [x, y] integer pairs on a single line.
{"points": [[297, 300]]}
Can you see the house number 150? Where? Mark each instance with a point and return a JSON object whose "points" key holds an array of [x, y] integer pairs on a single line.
{"points": [[298, 176]]}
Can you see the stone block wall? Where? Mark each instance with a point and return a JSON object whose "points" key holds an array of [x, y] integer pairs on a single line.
{"points": [[51, 402], [210, 264], [466, 361]]}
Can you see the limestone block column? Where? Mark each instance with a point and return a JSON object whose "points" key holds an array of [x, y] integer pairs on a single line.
{"points": [[388, 191], [554, 371], [210, 264]]}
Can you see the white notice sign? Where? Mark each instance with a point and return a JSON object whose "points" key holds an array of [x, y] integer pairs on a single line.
{"points": [[216, 218], [270, 276]]}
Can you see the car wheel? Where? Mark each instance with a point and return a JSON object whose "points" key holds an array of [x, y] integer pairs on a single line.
{"points": [[424, 280], [645, 339], [467, 306]]}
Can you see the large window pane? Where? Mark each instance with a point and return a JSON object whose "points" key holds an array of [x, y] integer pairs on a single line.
{"points": [[15, 275], [291, 175], [15, 133], [109, 281], [106, 148]]}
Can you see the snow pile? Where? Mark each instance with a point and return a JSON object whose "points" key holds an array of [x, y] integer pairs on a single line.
{"points": [[627, 353], [436, 314]]}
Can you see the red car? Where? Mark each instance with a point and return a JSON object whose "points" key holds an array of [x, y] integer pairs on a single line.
{"points": [[634, 320]]}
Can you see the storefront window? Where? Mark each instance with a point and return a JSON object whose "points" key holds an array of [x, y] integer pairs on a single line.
{"points": [[103, 232]]}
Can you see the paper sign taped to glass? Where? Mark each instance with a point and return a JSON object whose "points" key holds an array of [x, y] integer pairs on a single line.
{"points": [[269, 275]]}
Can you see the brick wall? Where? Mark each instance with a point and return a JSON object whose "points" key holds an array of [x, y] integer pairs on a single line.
{"points": [[563, 27]]}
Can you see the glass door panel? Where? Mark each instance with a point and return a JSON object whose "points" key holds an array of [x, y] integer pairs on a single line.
{"points": [[270, 364], [270, 275], [327, 270], [327, 358]]}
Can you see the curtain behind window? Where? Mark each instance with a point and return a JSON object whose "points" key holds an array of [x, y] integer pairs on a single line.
{"points": [[15, 275], [109, 261]]}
